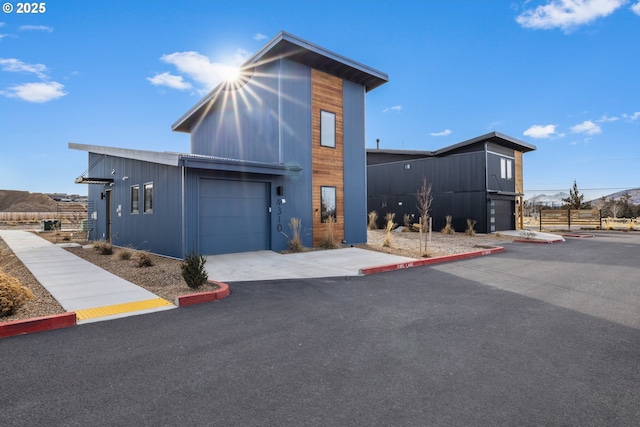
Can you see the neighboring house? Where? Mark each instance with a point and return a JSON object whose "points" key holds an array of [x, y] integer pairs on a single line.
{"points": [[285, 140], [479, 179]]}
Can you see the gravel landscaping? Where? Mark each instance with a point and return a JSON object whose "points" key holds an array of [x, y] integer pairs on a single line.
{"points": [[164, 277]]}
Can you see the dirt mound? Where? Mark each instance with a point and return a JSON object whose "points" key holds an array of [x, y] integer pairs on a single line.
{"points": [[23, 201]]}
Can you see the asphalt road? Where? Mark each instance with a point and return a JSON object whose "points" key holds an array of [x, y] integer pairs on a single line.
{"points": [[476, 342]]}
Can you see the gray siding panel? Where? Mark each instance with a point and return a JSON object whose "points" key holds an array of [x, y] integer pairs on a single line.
{"points": [[158, 232], [243, 123], [355, 164]]}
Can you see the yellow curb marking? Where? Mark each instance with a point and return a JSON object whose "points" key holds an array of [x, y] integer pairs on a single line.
{"points": [[109, 310]]}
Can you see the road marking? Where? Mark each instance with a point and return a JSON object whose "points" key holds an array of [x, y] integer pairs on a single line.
{"points": [[110, 310]]}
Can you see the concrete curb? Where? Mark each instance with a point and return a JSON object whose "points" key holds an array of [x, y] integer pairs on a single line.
{"points": [[201, 297], [538, 241], [37, 324], [580, 236], [430, 261], [65, 320]]}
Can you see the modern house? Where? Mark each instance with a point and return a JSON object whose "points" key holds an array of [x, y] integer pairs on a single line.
{"points": [[478, 179], [286, 140]]}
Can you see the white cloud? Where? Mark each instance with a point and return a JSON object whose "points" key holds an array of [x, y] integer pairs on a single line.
{"points": [[567, 14], [201, 69], [587, 127], [36, 92], [396, 108], [632, 117], [169, 80], [636, 8], [36, 28], [15, 65], [259, 36], [606, 118], [541, 132], [443, 133]]}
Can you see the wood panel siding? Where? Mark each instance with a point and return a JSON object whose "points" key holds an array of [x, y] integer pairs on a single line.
{"points": [[327, 162], [518, 171]]}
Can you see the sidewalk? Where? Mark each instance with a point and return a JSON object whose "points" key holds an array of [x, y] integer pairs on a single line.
{"points": [[92, 293]]}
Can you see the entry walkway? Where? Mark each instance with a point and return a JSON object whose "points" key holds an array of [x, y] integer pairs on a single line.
{"points": [[92, 293]]}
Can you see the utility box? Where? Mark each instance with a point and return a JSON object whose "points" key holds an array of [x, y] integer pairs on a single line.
{"points": [[85, 225], [50, 224]]}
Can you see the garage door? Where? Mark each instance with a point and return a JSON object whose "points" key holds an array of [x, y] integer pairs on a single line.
{"points": [[233, 216], [504, 215]]}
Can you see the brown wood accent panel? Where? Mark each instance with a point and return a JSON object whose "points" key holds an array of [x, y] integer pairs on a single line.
{"points": [[327, 162], [518, 171]]}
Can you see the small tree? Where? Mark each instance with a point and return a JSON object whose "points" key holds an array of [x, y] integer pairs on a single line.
{"points": [[193, 271], [424, 198], [576, 199]]}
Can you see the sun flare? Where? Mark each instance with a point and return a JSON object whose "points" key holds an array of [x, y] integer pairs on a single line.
{"points": [[229, 73]]}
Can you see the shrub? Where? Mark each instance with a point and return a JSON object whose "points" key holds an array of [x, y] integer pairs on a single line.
{"points": [[125, 254], [142, 259], [12, 294], [373, 217], [295, 241], [193, 271], [386, 243], [406, 219], [329, 241], [471, 223], [103, 247], [448, 228]]}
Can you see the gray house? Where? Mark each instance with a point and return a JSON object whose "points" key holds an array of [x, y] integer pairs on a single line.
{"points": [[479, 179], [285, 140]]}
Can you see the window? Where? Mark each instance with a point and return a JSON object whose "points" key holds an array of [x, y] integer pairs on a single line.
{"points": [[327, 129], [506, 166], [148, 198], [135, 198], [328, 203]]}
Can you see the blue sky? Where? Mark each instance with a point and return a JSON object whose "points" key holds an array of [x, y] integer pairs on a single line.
{"points": [[561, 74]]}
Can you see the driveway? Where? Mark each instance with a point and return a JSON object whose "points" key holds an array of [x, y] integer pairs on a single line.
{"points": [[415, 347]]}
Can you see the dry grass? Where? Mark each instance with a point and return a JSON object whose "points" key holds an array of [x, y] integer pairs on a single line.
{"points": [[373, 218]]}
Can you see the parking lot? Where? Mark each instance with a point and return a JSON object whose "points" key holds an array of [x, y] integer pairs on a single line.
{"points": [[542, 334]]}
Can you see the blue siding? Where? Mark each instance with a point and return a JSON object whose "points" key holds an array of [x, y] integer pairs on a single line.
{"points": [[296, 146], [355, 164], [158, 232], [243, 123]]}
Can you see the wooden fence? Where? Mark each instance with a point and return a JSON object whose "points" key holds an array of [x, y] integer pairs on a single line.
{"points": [[571, 217], [66, 218]]}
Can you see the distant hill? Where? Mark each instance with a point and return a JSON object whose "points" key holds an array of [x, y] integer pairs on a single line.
{"points": [[634, 193], [553, 200], [23, 201]]}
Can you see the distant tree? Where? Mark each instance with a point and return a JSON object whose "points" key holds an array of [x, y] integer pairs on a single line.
{"points": [[615, 207], [575, 199], [626, 207], [602, 205]]}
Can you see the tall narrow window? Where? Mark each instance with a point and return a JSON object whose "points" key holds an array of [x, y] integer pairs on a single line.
{"points": [[328, 203], [135, 198], [503, 168], [327, 129], [148, 198], [509, 167]]}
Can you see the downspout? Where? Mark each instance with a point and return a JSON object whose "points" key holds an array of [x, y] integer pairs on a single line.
{"points": [[184, 222]]}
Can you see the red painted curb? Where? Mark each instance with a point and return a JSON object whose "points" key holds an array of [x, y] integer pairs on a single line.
{"points": [[538, 241], [430, 261], [200, 297], [37, 324]]}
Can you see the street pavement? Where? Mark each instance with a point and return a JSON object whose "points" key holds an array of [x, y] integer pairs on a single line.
{"points": [[428, 346]]}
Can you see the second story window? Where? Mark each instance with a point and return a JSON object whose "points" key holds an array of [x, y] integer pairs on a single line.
{"points": [[506, 166], [327, 129]]}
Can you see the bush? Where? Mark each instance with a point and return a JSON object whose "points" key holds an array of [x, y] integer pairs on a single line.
{"points": [[448, 228], [142, 259], [193, 271], [471, 223], [295, 242], [329, 241], [125, 254], [373, 218], [103, 247], [12, 294], [390, 226]]}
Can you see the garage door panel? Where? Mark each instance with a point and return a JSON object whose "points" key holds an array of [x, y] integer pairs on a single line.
{"points": [[233, 216]]}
